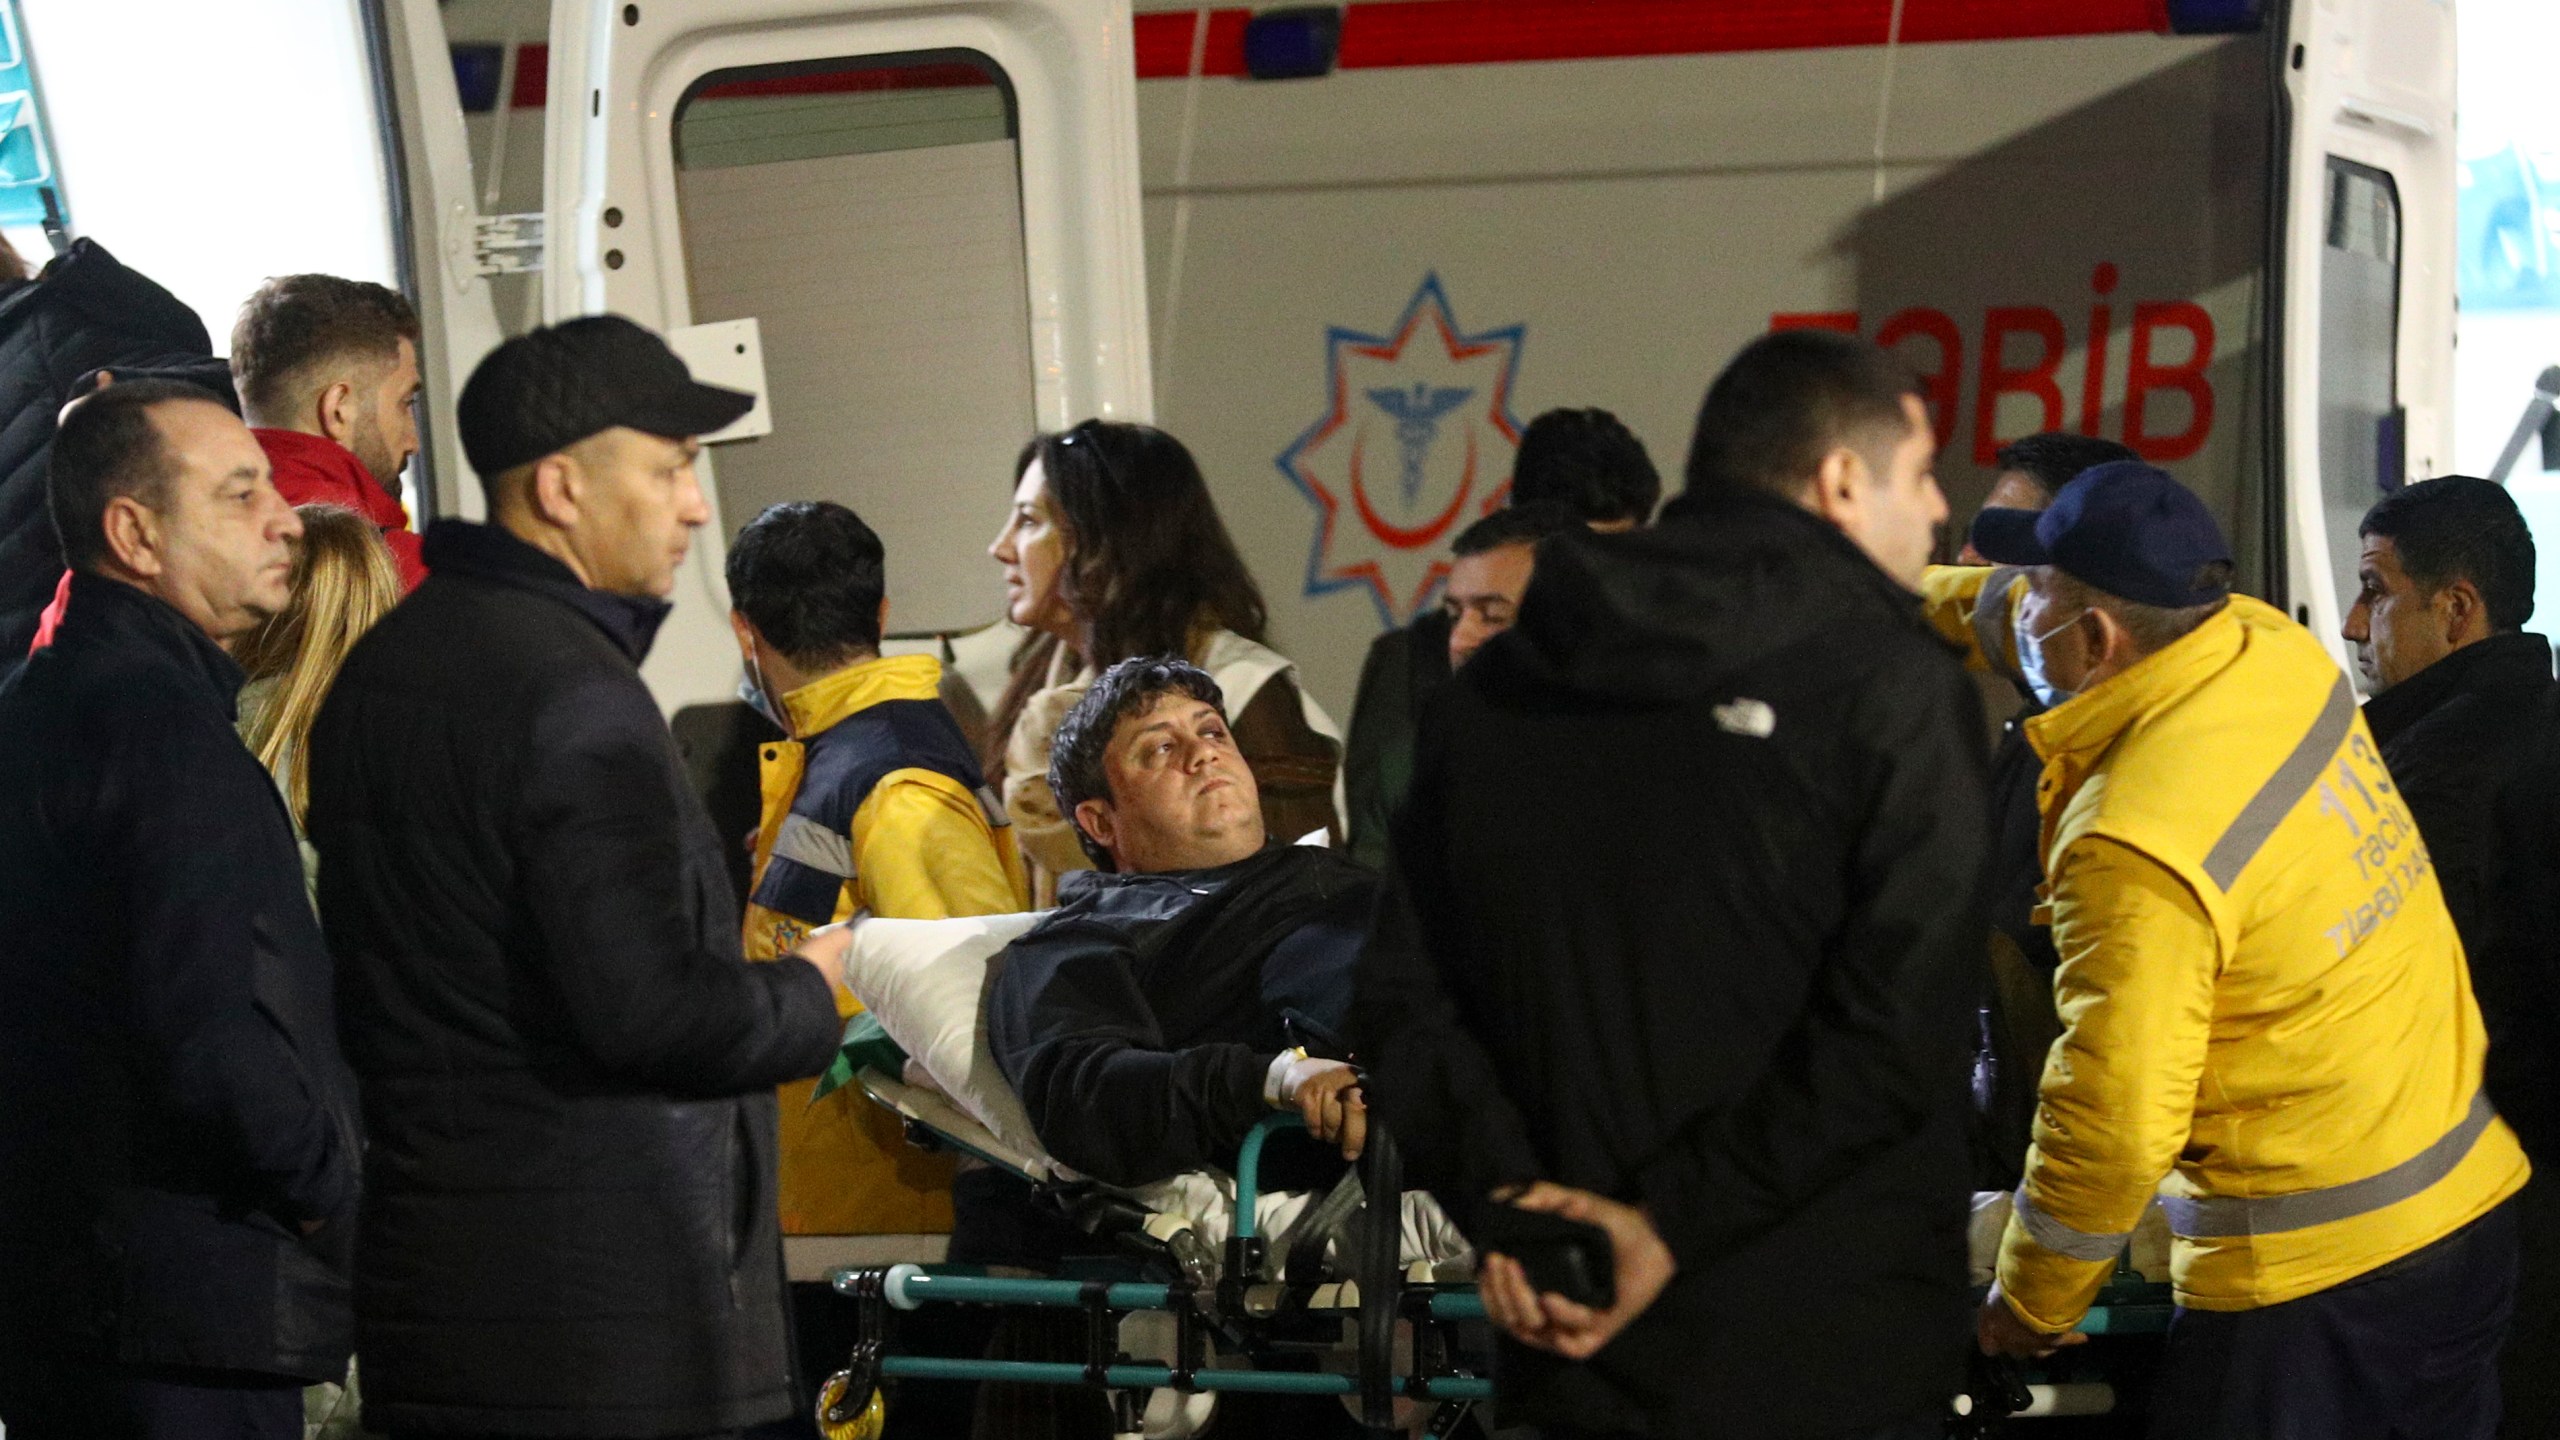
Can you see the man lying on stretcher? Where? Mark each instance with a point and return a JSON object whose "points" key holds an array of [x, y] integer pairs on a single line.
{"points": [[1146, 1023]]}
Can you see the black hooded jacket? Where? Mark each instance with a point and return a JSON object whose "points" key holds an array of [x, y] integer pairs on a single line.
{"points": [[1686, 912], [570, 1223], [85, 312]]}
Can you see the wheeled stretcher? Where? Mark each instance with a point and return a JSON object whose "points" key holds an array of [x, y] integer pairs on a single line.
{"points": [[1198, 1305], [1209, 1286]]}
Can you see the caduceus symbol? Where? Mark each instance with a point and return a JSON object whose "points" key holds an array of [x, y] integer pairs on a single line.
{"points": [[1417, 415]]}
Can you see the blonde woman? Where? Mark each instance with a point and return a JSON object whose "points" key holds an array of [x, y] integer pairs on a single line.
{"points": [[343, 581]]}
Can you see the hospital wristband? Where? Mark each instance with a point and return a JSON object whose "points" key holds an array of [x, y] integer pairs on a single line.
{"points": [[1277, 1077]]}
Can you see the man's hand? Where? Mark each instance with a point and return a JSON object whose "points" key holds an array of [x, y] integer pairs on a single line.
{"points": [[2000, 1330], [1326, 1094], [826, 948], [1553, 1323]]}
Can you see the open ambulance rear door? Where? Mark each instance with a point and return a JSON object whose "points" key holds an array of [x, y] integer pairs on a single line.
{"points": [[918, 221], [2363, 360], [911, 227]]}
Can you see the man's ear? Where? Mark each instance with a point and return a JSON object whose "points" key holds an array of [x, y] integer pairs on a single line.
{"points": [[133, 536], [2460, 608], [2115, 648], [1095, 819], [555, 490], [1836, 483], [336, 409], [745, 630]]}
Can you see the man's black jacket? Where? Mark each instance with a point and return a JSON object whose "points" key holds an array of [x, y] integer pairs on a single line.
{"points": [[176, 1108], [2450, 735], [1397, 679], [1686, 911], [570, 1222], [1139, 1020], [87, 312]]}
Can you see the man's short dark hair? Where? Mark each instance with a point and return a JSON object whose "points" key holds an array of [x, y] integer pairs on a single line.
{"points": [[810, 575], [1785, 401], [1588, 462], [2460, 527], [1132, 687], [1516, 525], [109, 446], [2055, 458], [294, 324]]}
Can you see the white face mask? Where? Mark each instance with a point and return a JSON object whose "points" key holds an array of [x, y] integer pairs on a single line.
{"points": [[2031, 662], [752, 690]]}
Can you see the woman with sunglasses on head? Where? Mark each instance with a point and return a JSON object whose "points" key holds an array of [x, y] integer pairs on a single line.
{"points": [[1112, 548]]}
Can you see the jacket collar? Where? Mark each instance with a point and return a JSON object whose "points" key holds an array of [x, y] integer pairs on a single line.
{"points": [[490, 553], [296, 455], [2074, 732], [830, 700], [105, 612], [2501, 662]]}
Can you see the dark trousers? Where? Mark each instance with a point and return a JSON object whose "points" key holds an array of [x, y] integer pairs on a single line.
{"points": [[77, 1400], [2408, 1352]]}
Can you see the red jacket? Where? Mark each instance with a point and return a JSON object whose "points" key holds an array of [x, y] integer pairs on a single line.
{"points": [[316, 470], [309, 470]]}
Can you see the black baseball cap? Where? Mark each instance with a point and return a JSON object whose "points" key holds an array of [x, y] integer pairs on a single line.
{"points": [[552, 387], [2127, 528]]}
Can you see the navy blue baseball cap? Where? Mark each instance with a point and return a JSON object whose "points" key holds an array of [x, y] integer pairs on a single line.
{"points": [[2127, 528]]}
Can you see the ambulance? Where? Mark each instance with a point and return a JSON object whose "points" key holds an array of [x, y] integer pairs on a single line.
{"points": [[1345, 252]]}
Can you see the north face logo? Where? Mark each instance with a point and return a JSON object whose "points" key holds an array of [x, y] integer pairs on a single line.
{"points": [[1747, 717]]}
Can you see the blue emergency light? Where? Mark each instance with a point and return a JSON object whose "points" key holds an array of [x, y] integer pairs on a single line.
{"points": [[1298, 43], [2216, 17]]}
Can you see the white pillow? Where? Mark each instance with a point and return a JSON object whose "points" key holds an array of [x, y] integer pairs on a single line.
{"points": [[927, 982]]}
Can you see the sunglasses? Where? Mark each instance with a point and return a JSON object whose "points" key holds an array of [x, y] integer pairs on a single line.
{"points": [[1086, 436]]}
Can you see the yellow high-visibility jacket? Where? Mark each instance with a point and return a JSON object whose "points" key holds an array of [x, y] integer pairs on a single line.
{"points": [[2268, 1019], [875, 805]]}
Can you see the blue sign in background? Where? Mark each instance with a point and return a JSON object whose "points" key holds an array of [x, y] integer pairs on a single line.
{"points": [[26, 151]]}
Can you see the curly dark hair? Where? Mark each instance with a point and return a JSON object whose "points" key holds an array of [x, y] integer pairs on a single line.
{"points": [[1128, 688]]}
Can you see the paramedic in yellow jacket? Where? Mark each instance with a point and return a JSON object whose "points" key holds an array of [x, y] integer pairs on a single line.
{"points": [[875, 804], [2267, 1017]]}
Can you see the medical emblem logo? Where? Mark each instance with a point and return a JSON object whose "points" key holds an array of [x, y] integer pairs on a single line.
{"points": [[1416, 440]]}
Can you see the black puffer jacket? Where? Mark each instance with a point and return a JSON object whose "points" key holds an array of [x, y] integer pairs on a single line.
{"points": [[86, 312], [570, 1222], [1686, 911], [177, 1111]]}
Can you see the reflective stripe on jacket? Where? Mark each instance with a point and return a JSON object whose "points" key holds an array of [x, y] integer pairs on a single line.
{"points": [[2268, 1018], [881, 809]]}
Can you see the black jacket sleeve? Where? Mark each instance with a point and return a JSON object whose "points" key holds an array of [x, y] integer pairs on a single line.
{"points": [[600, 829], [1879, 1054], [179, 826], [2515, 969], [1430, 1081], [1073, 1032]]}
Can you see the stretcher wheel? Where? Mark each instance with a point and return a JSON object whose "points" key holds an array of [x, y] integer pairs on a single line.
{"points": [[863, 1424]]}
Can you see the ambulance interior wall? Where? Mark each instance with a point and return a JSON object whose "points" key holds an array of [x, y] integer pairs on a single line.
{"points": [[1638, 220]]}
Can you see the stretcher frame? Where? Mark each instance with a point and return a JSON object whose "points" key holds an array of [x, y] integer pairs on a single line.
{"points": [[1238, 1317], [1247, 1318]]}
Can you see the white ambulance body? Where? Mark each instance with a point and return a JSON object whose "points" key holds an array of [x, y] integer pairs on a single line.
{"points": [[922, 229]]}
